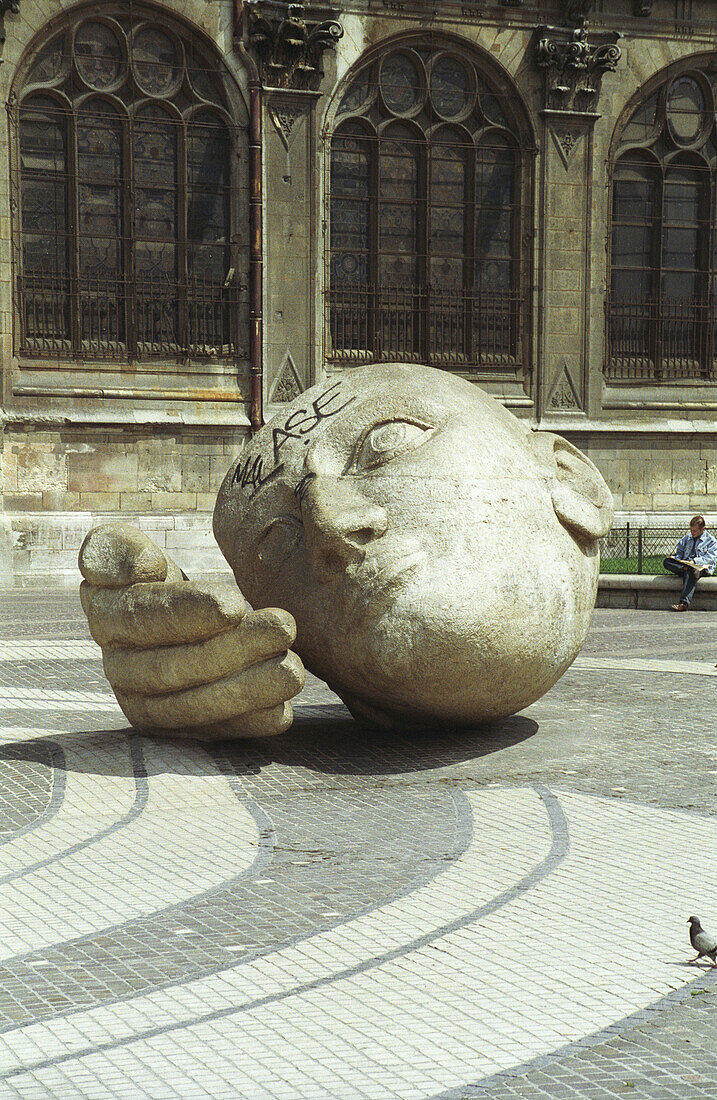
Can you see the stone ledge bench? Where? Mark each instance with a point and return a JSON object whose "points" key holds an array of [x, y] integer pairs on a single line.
{"points": [[652, 592]]}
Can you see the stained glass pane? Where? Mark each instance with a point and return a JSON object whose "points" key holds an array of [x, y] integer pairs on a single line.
{"points": [[683, 195], [208, 231], [642, 121], [99, 148], [203, 81], [450, 87], [495, 170], [357, 93], [400, 83], [491, 104], [686, 110], [42, 136], [350, 229], [398, 165], [98, 55], [155, 229], [155, 60], [155, 214], [447, 222], [398, 213], [48, 65], [43, 185]]}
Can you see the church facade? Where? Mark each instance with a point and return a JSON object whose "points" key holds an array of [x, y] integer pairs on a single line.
{"points": [[208, 205]]}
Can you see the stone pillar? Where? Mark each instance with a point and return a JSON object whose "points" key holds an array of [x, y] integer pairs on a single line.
{"points": [[573, 61], [289, 243], [566, 259], [288, 38]]}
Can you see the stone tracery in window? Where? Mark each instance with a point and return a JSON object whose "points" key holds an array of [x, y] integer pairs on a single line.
{"points": [[426, 256], [124, 247], [662, 316]]}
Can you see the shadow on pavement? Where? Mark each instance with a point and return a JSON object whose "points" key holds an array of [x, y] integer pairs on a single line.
{"points": [[323, 739]]}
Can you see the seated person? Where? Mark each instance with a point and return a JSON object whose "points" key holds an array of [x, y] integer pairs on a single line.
{"points": [[696, 554]]}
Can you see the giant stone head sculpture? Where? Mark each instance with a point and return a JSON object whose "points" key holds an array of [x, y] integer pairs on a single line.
{"points": [[439, 557]]}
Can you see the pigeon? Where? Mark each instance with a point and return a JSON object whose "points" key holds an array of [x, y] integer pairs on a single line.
{"points": [[703, 942]]}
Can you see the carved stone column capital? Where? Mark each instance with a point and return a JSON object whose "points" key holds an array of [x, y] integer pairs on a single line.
{"points": [[574, 61], [288, 40], [11, 7]]}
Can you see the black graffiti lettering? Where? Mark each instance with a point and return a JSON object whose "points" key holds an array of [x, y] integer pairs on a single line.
{"points": [[297, 425], [251, 474], [304, 421], [326, 398]]}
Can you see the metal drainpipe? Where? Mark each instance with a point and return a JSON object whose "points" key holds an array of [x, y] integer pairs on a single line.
{"points": [[256, 251]]}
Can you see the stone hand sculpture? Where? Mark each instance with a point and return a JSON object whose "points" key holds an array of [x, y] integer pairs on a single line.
{"points": [[182, 657], [439, 558]]}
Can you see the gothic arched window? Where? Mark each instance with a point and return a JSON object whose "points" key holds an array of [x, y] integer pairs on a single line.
{"points": [[662, 317], [125, 239], [427, 252]]}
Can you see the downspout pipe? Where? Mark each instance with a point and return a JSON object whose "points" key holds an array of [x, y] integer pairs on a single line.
{"points": [[256, 248]]}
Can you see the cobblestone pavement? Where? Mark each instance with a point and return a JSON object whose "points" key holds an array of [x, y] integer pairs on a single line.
{"points": [[336, 913]]}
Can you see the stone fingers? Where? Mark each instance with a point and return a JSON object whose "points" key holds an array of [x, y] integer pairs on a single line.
{"points": [[269, 722], [234, 698], [171, 668], [157, 613]]}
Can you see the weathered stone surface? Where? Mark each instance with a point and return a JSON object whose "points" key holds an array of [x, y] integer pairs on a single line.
{"points": [[114, 555], [181, 657], [440, 559]]}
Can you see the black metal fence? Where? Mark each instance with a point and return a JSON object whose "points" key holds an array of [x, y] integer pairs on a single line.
{"points": [[658, 340], [112, 317], [424, 324], [633, 549]]}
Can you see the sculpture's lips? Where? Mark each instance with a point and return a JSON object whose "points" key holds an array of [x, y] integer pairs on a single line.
{"points": [[387, 568]]}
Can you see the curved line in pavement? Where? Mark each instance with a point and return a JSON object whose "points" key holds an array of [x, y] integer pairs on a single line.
{"points": [[262, 859], [140, 801], [57, 763], [476, 1089], [559, 849], [267, 840]]}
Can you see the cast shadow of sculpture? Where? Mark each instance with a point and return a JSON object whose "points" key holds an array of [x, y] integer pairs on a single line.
{"points": [[325, 740]]}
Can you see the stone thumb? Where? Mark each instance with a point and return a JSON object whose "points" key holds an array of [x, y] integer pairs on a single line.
{"points": [[115, 555]]}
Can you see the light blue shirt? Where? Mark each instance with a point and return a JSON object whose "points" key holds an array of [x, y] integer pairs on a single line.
{"points": [[702, 551]]}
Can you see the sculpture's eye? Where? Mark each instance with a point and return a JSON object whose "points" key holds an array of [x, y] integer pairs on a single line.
{"points": [[278, 541], [388, 440]]}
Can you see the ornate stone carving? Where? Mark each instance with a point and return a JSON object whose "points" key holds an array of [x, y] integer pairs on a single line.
{"points": [[288, 385], [563, 398], [574, 62], [289, 41], [11, 7], [567, 141]]}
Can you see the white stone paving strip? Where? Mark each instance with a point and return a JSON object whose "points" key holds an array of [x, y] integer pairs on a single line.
{"points": [[57, 699], [60, 649], [99, 790], [156, 859], [600, 936], [511, 835], [635, 664]]}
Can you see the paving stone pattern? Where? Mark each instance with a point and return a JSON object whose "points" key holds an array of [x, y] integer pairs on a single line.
{"points": [[343, 913]]}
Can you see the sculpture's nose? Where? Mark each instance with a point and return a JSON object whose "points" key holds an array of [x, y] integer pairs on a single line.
{"points": [[339, 523]]}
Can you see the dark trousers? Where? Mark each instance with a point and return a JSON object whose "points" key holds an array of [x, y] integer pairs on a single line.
{"points": [[689, 578]]}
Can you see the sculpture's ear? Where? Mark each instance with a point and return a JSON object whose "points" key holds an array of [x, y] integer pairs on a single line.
{"points": [[581, 499]]}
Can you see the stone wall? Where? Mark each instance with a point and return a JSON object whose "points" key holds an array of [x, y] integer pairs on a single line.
{"points": [[85, 441]]}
